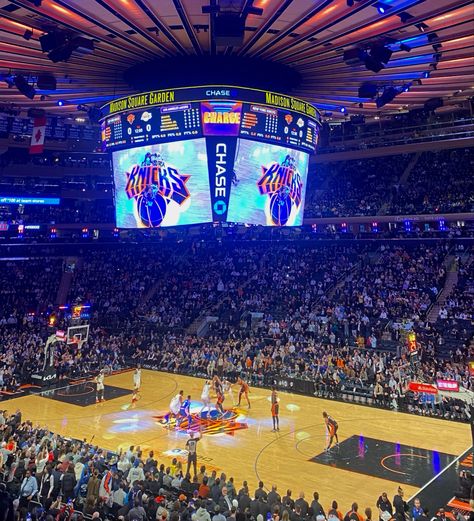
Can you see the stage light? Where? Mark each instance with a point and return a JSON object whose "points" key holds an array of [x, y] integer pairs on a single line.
{"points": [[60, 45], [405, 47], [381, 53], [343, 110], [24, 87], [381, 7], [387, 96], [406, 87], [421, 27], [361, 105], [60, 103], [28, 34], [404, 17], [53, 233], [376, 58], [52, 40]]}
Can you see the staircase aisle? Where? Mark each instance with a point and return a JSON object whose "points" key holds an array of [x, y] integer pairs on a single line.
{"points": [[66, 279], [449, 284]]}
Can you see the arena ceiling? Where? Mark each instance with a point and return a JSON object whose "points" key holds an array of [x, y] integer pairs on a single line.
{"points": [[432, 44]]}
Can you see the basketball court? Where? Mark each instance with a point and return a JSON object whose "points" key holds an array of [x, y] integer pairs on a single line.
{"points": [[379, 449]]}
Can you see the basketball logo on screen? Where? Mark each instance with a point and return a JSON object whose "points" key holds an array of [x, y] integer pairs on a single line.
{"points": [[154, 184], [283, 183]]}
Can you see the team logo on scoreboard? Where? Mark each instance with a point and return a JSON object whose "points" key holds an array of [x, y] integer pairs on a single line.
{"points": [[283, 184], [154, 184]]}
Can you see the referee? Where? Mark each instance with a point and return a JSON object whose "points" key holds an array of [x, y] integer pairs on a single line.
{"points": [[191, 447]]}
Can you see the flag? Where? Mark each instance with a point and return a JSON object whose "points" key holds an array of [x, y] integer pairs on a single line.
{"points": [[37, 138]]}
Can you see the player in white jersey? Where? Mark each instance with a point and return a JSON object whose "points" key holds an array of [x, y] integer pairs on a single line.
{"points": [[175, 406], [227, 388], [206, 399], [137, 382], [99, 382]]}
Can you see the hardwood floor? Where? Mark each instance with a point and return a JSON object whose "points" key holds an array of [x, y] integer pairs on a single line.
{"points": [[379, 448]]}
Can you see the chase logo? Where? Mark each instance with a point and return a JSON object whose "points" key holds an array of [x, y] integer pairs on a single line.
{"points": [[220, 207]]}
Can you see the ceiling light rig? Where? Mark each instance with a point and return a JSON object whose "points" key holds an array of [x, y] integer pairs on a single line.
{"points": [[381, 7], [60, 45]]}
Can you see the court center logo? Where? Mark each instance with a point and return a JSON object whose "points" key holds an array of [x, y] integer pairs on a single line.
{"points": [[154, 184], [283, 183], [208, 424]]}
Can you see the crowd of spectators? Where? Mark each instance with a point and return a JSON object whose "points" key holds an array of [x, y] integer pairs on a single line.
{"points": [[47, 477], [70, 211], [352, 188], [296, 296], [27, 287], [286, 312], [439, 183]]}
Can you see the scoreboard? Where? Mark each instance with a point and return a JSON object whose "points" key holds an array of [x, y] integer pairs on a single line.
{"points": [[209, 154], [150, 118]]}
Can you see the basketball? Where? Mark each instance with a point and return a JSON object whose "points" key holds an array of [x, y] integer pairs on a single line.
{"points": [[151, 209], [280, 208]]}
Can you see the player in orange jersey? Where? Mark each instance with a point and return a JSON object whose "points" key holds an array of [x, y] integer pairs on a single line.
{"points": [[244, 390]]}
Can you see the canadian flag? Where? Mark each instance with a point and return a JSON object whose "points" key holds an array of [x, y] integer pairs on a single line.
{"points": [[37, 138]]}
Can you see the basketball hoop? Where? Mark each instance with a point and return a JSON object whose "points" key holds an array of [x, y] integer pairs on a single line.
{"points": [[78, 335]]}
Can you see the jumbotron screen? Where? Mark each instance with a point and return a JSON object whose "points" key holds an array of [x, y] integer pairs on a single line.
{"points": [[182, 159]]}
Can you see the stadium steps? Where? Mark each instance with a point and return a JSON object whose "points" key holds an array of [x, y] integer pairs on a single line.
{"points": [[66, 280], [449, 284], [411, 165], [373, 258]]}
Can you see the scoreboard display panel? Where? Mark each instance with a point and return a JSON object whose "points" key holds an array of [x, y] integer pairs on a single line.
{"points": [[209, 154]]}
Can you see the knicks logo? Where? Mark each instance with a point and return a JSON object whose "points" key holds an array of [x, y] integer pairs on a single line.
{"points": [[284, 185], [208, 424], [153, 187]]}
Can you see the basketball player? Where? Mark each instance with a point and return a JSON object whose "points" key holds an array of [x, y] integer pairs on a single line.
{"points": [[275, 410], [331, 426], [206, 399], [185, 411], [99, 382], [175, 406], [227, 388], [137, 382], [217, 384], [220, 400], [244, 390]]}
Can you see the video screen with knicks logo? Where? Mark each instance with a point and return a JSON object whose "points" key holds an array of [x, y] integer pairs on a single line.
{"points": [[182, 159]]}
